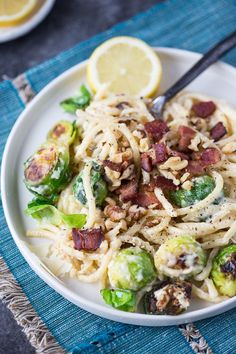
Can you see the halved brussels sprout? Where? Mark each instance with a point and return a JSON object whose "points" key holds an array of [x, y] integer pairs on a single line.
{"points": [[131, 269], [168, 298], [224, 271], [181, 257], [50, 214], [202, 187], [63, 132], [47, 171], [98, 184], [124, 300]]}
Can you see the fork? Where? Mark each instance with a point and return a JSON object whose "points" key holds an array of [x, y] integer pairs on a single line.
{"points": [[208, 59]]}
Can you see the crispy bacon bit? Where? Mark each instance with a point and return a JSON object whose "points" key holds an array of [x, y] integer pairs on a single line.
{"points": [[87, 240], [161, 154], [113, 165], [144, 199], [149, 187], [195, 168], [218, 131], [210, 156], [118, 167], [114, 212], [128, 191], [146, 162], [176, 153], [186, 134], [164, 183], [156, 129], [204, 109]]}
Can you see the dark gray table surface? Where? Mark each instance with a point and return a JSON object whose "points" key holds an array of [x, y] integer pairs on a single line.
{"points": [[69, 22]]}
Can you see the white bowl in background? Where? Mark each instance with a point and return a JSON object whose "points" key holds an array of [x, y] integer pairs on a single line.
{"points": [[10, 33]]}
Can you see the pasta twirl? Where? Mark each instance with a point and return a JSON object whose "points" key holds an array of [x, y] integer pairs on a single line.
{"points": [[145, 183]]}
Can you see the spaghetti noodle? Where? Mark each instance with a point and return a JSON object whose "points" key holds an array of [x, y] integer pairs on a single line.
{"points": [[116, 132]]}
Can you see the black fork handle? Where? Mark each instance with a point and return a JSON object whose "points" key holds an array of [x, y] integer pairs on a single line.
{"points": [[209, 58]]}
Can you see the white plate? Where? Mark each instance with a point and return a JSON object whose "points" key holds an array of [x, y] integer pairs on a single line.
{"points": [[30, 131], [10, 33]]}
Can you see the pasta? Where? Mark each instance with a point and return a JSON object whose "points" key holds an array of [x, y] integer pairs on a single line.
{"points": [[141, 173]]}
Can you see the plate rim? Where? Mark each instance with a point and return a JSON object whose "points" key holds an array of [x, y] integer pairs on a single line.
{"points": [[56, 284]]}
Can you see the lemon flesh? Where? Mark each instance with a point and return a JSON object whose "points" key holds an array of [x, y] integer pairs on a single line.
{"points": [[125, 65], [13, 12]]}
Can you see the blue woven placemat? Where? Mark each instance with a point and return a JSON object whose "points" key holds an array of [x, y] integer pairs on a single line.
{"points": [[192, 25]]}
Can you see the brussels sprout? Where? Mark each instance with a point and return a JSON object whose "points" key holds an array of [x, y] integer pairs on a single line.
{"points": [[38, 200], [202, 187], [168, 298], [98, 184], [63, 132], [124, 300], [180, 256], [131, 269], [47, 171], [80, 101], [224, 271], [50, 214]]}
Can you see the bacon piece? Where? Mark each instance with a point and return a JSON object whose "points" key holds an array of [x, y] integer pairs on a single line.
{"points": [[156, 129], [195, 168], [180, 154], [112, 165], [149, 187], [161, 154], [144, 199], [146, 162], [210, 156], [88, 239], [164, 183], [218, 131], [118, 167], [204, 109], [186, 134], [207, 157], [128, 191]]}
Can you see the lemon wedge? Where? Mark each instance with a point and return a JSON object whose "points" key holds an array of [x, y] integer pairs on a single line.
{"points": [[13, 12], [125, 65]]}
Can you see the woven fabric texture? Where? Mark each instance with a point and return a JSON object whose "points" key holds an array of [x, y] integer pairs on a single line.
{"points": [[192, 25]]}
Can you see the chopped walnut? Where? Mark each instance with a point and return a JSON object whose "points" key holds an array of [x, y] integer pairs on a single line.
{"points": [[127, 154], [109, 224], [128, 172], [110, 201], [195, 142], [199, 124], [139, 133], [115, 213], [174, 164], [117, 158], [144, 144], [136, 212], [113, 176], [187, 185]]}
